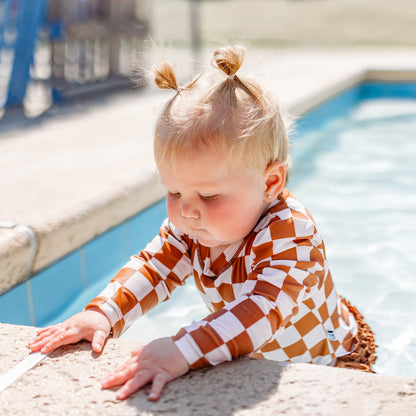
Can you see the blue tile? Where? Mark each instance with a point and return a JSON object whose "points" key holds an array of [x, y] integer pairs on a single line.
{"points": [[384, 89], [14, 306], [317, 117], [145, 225], [79, 302], [105, 254], [56, 287]]}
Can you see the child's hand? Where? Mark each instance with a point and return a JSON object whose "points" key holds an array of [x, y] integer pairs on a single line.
{"points": [[91, 325], [158, 362]]}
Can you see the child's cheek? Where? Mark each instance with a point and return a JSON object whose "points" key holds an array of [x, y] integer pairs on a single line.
{"points": [[218, 212], [172, 208]]}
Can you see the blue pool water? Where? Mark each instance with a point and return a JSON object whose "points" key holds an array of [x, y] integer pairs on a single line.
{"points": [[353, 168], [360, 187]]}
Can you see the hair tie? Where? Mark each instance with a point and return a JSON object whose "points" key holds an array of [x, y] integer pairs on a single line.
{"points": [[231, 76], [178, 90]]}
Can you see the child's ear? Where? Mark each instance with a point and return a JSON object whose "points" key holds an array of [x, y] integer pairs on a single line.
{"points": [[275, 178]]}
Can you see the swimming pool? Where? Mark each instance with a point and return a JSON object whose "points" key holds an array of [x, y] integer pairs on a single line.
{"points": [[353, 168], [362, 195]]}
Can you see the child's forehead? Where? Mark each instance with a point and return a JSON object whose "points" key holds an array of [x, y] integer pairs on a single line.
{"points": [[207, 162], [206, 175], [193, 183]]}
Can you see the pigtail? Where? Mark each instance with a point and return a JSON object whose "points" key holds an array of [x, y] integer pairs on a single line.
{"points": [[229, 60], [165, 77]]}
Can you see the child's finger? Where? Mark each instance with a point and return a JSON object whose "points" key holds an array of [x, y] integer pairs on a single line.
{"points": [[43, 330], [98, 340], [44, 333], [159, 382], [39, 342], [53, 344], [136, 352], [45, 345], [34, 347], [130, 362], [135, 383], [120, 376], [35, 343], [61, 337]]}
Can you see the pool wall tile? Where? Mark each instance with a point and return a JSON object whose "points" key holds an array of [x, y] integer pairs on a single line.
{"points": [[14, 306], [336, 106], [394, 89], [143, 227], [55, 287], [105, 254], [90, 267], [84, 272]]}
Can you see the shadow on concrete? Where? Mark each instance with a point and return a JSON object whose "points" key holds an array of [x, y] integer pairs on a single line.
{"points": [[222, 390], [226, 389], [15, 118]]}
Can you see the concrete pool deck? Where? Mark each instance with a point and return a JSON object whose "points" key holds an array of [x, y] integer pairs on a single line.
{"points": [[67, 382], [81, 169]]}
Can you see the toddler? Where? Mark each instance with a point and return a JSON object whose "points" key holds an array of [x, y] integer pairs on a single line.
{"points": [[258, 261]]}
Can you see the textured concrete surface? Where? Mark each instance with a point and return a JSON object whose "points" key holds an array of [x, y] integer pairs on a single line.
{"points": [[67, 382], [81, 169]]}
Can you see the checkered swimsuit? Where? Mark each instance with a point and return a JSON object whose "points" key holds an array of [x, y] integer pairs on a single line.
{"points": [[271, 295]]}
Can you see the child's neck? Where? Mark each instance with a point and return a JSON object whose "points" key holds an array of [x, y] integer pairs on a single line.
{"points": [[215, 252]]}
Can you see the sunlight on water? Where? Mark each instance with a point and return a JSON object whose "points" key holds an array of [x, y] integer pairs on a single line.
{"points": [[361, 191]]}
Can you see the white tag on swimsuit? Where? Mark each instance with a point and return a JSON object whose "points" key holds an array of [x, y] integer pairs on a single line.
{"points": [[331, 335], [21, 368]]}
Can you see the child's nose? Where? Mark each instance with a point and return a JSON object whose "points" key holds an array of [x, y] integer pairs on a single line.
{"points": [[189, 210]]}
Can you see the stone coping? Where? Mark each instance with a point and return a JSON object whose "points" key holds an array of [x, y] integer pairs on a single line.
{"points": [[67, 382], [101, 169], [71, 232], [86, 192]]}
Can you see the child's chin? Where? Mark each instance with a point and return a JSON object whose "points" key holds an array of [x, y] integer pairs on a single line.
{"points": [[206, 242]]}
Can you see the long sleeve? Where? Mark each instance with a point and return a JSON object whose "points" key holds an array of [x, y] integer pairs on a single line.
{"points": [[287, 264], [146, 280]]}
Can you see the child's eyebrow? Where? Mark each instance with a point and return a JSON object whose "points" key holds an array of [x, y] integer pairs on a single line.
{"points": [[206, 188]]}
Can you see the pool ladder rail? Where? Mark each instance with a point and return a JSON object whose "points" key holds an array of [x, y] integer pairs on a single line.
{"points": [[33, 242]]}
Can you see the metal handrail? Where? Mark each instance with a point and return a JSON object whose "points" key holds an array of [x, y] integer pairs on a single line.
{"points": [[33, 242]]}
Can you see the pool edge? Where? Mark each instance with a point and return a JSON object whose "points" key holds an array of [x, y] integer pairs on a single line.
{"points": [[61, 238], [326, 94], [68, 382]]}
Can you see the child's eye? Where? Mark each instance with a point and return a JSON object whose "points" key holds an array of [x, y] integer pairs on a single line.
{"points": [[174, 194], [210, 197]]}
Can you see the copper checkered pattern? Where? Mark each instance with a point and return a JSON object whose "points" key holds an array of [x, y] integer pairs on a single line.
{"points": [[271, 295]]}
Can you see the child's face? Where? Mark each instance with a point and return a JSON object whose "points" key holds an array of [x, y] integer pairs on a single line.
{"points": [[211, 202]]}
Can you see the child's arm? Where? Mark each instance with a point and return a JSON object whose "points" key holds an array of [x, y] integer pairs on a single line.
{"points": [[141, 284], [91, 325], [158, 362], [146, 280]]}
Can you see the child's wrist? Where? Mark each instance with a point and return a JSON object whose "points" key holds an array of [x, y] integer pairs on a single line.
{"points": [[95, 309]]}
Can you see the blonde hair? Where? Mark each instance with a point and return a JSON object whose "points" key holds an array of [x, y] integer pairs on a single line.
{"points": [[224, 110]]}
